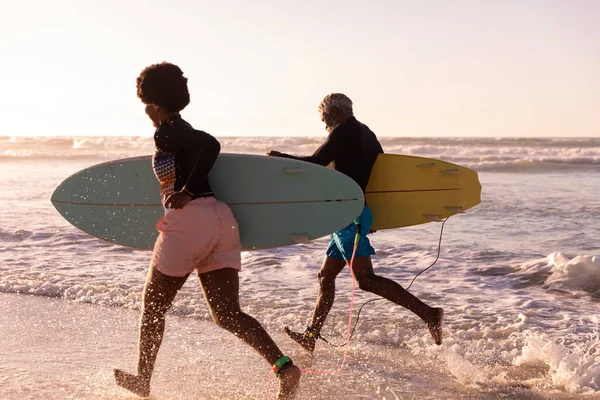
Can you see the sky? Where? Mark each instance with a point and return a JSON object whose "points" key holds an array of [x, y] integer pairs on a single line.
{"points": [[257, 67]]}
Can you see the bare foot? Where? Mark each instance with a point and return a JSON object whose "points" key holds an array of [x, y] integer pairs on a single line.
{"points": [[307, 343], [435, 325], [289, 378], [133, 383]]}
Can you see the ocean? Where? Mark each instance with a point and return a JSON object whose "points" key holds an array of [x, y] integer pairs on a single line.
{"points": [[518, 277]]}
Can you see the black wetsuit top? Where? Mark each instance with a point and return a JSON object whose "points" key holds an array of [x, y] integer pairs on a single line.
{"points": [[352, 147], [183, 158]]}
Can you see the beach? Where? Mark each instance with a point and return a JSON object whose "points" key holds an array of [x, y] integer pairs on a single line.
{"points": [[518, 277]]}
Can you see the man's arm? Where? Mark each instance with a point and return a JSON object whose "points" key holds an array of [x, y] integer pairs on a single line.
{"points": [[324, 155]]}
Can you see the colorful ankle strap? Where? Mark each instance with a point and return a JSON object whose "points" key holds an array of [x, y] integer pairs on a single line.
{"points": [[280, 364]]}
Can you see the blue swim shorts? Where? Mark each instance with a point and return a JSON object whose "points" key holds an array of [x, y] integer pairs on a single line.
{"points": [[341, 244]]}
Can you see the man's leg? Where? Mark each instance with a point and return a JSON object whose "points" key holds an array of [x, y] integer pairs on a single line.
{"points": [[392, 291], [329, 271]]}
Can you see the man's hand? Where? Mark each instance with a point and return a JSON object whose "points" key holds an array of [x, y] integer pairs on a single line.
{"points": [[178, 200], [274, 153]]}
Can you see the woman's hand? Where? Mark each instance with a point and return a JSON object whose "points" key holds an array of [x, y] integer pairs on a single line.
{"points": [[178, 200]]}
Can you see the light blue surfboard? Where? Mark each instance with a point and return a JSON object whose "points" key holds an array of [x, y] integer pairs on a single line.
{"points": [[276, 201]]}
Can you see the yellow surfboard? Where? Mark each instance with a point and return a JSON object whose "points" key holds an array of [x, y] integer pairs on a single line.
{"points": [[408, 190]]}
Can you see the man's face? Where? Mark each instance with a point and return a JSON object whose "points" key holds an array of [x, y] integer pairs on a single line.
{"points": [[329, 120]]}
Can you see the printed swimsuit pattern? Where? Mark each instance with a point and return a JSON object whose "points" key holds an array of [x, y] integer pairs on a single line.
{"points": [[164, 169]]}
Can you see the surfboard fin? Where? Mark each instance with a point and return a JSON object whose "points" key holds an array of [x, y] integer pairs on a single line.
{"points": [[433, 217], [431, 164], [300, 238]]}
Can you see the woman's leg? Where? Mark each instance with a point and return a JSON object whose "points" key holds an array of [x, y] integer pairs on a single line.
{"points": [[221, 290], [159, 293]]}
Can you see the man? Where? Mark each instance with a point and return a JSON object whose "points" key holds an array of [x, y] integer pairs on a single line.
{"points": [[353, 149]]}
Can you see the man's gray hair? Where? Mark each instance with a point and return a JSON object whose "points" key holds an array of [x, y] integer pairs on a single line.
{"points": [[338, 100]]}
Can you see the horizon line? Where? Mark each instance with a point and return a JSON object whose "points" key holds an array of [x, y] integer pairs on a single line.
{"points": [[312, 136]]}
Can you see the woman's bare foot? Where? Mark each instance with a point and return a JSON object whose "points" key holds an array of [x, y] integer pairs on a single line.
{"points": [[307, 343], [133, 383], [435, 325], [289, 378]]}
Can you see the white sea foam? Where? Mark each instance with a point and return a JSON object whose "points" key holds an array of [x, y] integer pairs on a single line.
{"points": [[509, 155]]}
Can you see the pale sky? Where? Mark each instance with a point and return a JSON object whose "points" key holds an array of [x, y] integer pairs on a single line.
{"points": [[411, 67]]}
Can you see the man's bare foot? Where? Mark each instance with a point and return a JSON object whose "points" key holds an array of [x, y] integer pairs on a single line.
{"points": [[435, 325], [289, 378], [133, 383], [307, 343]]}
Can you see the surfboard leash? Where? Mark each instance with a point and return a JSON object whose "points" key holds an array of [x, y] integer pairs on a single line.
{"points": [[351, 332], [381, 298], [349, 335]]}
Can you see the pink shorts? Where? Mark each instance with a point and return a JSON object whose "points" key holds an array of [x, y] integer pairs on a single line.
{"points": [[202, 236]]}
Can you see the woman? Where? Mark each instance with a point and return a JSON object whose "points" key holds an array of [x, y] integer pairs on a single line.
{"points": [[197, 233]]}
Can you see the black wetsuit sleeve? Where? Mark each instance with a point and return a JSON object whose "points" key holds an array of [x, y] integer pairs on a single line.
{"points": [[326, 153], [205, 160], [175, 139]]}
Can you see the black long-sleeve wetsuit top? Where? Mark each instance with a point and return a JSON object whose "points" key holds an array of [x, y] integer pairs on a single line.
{"points": [[183, 158], [352, 147]]}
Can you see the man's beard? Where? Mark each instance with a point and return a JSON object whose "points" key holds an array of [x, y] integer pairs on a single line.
{"points": [[329, 125]]}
